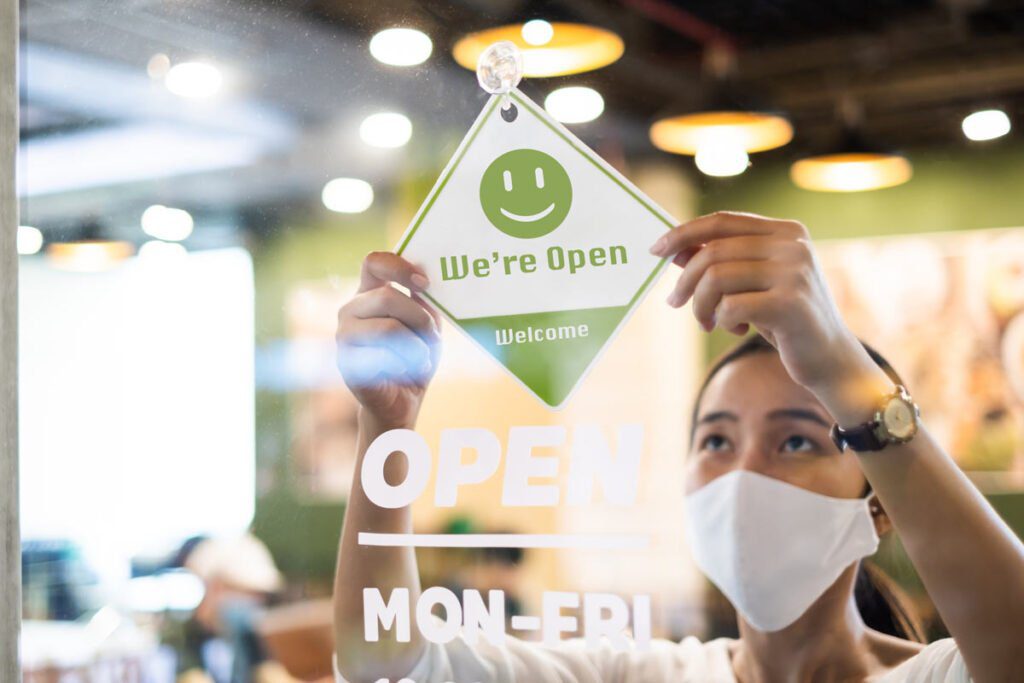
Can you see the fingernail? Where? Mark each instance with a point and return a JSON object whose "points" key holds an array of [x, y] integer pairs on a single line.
{"points": [[420, 281], [660, 245], [673, 299]]}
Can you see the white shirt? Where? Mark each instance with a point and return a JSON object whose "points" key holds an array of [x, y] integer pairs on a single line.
{"points": [[689, 661]]}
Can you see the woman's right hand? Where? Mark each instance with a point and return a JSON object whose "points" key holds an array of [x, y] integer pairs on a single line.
{"points": [[388, 342]]}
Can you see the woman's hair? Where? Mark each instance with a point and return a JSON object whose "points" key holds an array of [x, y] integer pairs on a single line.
{"points": [[883, 605]]}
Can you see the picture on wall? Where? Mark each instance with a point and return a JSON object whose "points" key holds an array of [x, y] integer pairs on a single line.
{"points": [[948, 311]]}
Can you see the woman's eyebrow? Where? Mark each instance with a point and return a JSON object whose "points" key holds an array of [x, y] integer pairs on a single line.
{"points": [[798, 414], [718, 415]]}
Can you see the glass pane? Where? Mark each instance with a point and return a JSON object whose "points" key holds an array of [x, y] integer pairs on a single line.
{"points": [[539, 457]]}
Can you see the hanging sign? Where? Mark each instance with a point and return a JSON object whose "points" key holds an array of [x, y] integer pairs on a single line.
{"points": [[534, 246]]}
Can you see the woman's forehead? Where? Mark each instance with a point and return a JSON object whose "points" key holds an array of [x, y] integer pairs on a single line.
{"points": [[755, 384]]}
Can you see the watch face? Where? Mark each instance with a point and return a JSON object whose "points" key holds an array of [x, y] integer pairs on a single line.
{"points": [[898, 418]]}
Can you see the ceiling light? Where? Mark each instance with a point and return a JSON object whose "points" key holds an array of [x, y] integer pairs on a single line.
{"points": [[194, 80], [538, 32], [721, 156], [986, 125], [386, 129], [30, 240], [752, 131], [88, 256], [574, 104], [401, 47], [157, 250], [571, 48], [347, 195], [851, 172], [165, 223], [158, 66]]}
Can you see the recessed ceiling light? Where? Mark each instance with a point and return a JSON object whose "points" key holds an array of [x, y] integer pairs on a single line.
{"points": [[158, 66], [347, 195], [194, 80], [386, 129], [986, 125], [721, 156], [574, 104], [538, 32], [401, 46], [30, 240], [165, 223]]}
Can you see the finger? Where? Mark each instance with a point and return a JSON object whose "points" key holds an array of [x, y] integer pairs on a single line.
{"points": [[683, 257], [390, 334], [429, 308], [382, 267], [713, 226], [721, 279], [388, 302], [746, 309], [747, 248]]}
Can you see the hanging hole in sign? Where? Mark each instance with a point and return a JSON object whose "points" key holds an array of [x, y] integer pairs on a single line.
{"points": [[509, 112]]}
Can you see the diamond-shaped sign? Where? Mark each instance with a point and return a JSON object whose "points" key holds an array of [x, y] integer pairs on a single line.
{"points": [[535, 247]]}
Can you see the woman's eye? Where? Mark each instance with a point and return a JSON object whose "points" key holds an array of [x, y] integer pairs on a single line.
{"points": [[796, 443], [714, 442]]}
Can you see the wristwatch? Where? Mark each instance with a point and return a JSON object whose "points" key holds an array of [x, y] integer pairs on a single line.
{"points": [[895, 421]]}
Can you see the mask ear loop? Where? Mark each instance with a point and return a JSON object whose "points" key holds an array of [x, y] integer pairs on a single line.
{"points": [[499, 70]]}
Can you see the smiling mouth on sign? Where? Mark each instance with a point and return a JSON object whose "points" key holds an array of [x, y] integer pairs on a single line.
{"points": [[527, 219]]}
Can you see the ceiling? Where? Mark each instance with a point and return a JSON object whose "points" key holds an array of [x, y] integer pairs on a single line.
{"points": [[102, 140]]}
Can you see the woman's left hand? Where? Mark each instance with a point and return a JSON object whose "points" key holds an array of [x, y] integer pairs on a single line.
{"points": [[741, 269]]}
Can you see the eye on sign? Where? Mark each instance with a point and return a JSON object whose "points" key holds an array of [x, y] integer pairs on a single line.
{"points": [[535, 247]]}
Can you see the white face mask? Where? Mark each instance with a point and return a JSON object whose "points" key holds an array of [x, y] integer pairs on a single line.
{"points": [[773, 548]]}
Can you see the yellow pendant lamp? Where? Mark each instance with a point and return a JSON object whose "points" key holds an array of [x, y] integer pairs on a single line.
{"points": [[549, 49], [89, 252], [752, 130], [854, 165], [852, 171], [728, 118]]}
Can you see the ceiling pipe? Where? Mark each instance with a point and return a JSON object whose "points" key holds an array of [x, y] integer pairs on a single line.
{"points": [[682, 22]]}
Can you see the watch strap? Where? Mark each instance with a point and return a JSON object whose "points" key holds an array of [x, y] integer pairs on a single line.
{"points": [[863, 437]]}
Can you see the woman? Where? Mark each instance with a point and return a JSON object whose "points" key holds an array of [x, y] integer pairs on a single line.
{"points": [[775, 508]]}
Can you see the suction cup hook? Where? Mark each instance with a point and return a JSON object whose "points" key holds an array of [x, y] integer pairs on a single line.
{"points": [[499, 70]]}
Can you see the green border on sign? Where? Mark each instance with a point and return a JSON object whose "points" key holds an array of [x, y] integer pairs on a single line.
{"points": [[588, 154]]}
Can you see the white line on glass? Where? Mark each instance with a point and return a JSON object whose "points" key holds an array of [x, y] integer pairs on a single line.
{"points": [[578, 541]]}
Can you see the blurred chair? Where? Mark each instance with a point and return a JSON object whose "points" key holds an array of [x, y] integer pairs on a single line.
{"points": [[300, 637]]}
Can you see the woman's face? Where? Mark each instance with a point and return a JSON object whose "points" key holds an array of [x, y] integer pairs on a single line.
{"points": [[754, 417]]}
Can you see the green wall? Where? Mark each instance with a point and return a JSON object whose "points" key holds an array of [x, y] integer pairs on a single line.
{"points": [[963, 188]]}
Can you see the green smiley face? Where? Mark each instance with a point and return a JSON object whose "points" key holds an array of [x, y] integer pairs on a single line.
{"points": [[525, 193]]}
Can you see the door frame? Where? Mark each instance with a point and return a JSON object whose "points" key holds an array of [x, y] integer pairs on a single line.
{"points": [[10, 536]]}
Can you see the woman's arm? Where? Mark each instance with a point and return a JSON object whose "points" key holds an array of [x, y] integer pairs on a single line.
{"points": [[741, 270], [969, 560], [388, 345], [383, 568]]}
